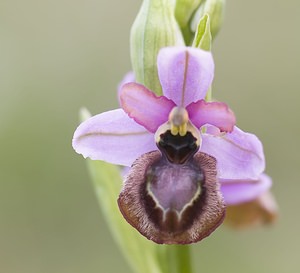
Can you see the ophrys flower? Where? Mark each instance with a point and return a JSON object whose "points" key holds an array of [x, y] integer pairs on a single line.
{"points": [[183, 147]]}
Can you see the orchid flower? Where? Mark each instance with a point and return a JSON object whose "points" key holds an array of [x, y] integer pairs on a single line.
{"points": [[188, 159]]}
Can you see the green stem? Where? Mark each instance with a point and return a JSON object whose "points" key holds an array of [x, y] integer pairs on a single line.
{"points": [[180, 259]]}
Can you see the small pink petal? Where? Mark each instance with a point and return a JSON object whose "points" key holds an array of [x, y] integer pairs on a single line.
{"points": [[113, 137], [239, 155], [213, 113], [144, 106], [185, 73], [237, 191]]}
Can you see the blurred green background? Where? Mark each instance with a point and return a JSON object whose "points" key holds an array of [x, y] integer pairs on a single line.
{"points": [[59, 55]]}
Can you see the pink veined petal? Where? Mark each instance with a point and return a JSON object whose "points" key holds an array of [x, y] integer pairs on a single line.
{"points": [[113, 137], [185, 73], [129, 77], [239, 155], [144, 106], [213, 113], [237, 192]]}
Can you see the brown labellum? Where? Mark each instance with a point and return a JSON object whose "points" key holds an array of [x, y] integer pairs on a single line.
{"points": [[173, 203]]}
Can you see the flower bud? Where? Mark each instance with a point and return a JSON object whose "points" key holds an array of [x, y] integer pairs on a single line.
{"points": [[215, 10], [184, 11], [203, 37], [154, 27]]}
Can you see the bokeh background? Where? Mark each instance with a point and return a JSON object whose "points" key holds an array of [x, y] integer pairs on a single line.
{"points": [[59, 55]]}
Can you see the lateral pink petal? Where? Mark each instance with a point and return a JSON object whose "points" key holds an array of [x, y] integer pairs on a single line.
{"points": [[185, 73], [237, 191], [144, 106], [213, 113], [239, 155], [113, 137]]}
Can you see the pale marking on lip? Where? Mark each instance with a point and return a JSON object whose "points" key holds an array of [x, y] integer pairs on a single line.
{"points": [[179, 214]]}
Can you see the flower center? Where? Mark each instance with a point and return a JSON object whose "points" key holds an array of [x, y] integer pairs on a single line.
{"points": [[178, 119], [178, 139], [178, 149]]}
